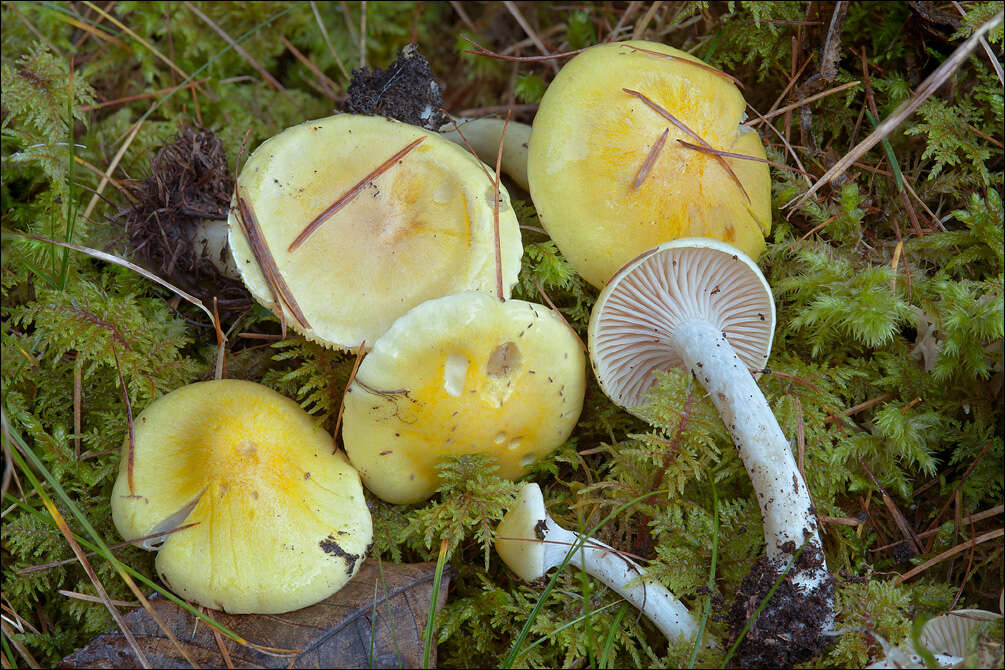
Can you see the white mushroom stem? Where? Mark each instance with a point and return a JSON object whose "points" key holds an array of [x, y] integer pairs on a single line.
{"points": [[211, 238], [621, 574], [785, 503], [484, 134]]}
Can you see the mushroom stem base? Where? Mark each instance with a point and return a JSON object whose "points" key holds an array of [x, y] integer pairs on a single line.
{"points": [[786, 509]]}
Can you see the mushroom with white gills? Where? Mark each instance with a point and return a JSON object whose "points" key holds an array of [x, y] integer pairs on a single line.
{"points": [[531, 543], [704, 306], [463, 374], [945, 636]]}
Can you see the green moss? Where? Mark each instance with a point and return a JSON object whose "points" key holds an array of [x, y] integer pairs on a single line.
{"points": [[887, 356]]}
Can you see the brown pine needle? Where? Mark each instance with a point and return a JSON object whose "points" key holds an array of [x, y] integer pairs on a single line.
{"points": [[972, 519], [745, 157], [512, 8], [482, 51], [349, 195], [273, 276], [990, 535], [650, 161], [129, 423], [547, 299], [278, 289], [688, 61], [94, 599], [683, 128], [329, 86], [495, 211], [348, 385], [806, 101], [143, 96]]}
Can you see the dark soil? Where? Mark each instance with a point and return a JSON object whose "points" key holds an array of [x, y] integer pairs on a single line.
{"points": [[405, 91], [788, 630], [188, 182]]}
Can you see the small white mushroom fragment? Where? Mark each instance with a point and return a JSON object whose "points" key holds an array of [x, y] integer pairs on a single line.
{"points": [[462, 374], [704, 306], [484, 135], [531, 543]]}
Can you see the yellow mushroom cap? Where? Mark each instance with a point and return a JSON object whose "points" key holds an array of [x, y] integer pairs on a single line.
{"points": [[591, 138], [422, 229], [460, 375], [281, 520]]}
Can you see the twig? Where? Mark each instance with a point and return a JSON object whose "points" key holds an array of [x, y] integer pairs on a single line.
{"points": [[927, 88]]}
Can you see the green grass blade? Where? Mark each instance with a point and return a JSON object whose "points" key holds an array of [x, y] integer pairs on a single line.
{"points": [[514, 652], [711, 578], [609, 642], [760, 608], [441, 562], [891, 158]]}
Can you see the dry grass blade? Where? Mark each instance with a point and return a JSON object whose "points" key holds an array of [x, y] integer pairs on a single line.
{"points": [[8, 631], [98, 586], [101, 255], [482, 51], [278, 288], [349, 195], [643, 23], [990, 535], [688, 61], [987, 49], [54, 564], [515, 11], [690, 133], [94, 599], [272, 81], [745, 157], [111, 168], [328, 85], [127, 30], [905, 528], [972, 519], [650, 161], [331, 48], [926, 89]]}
